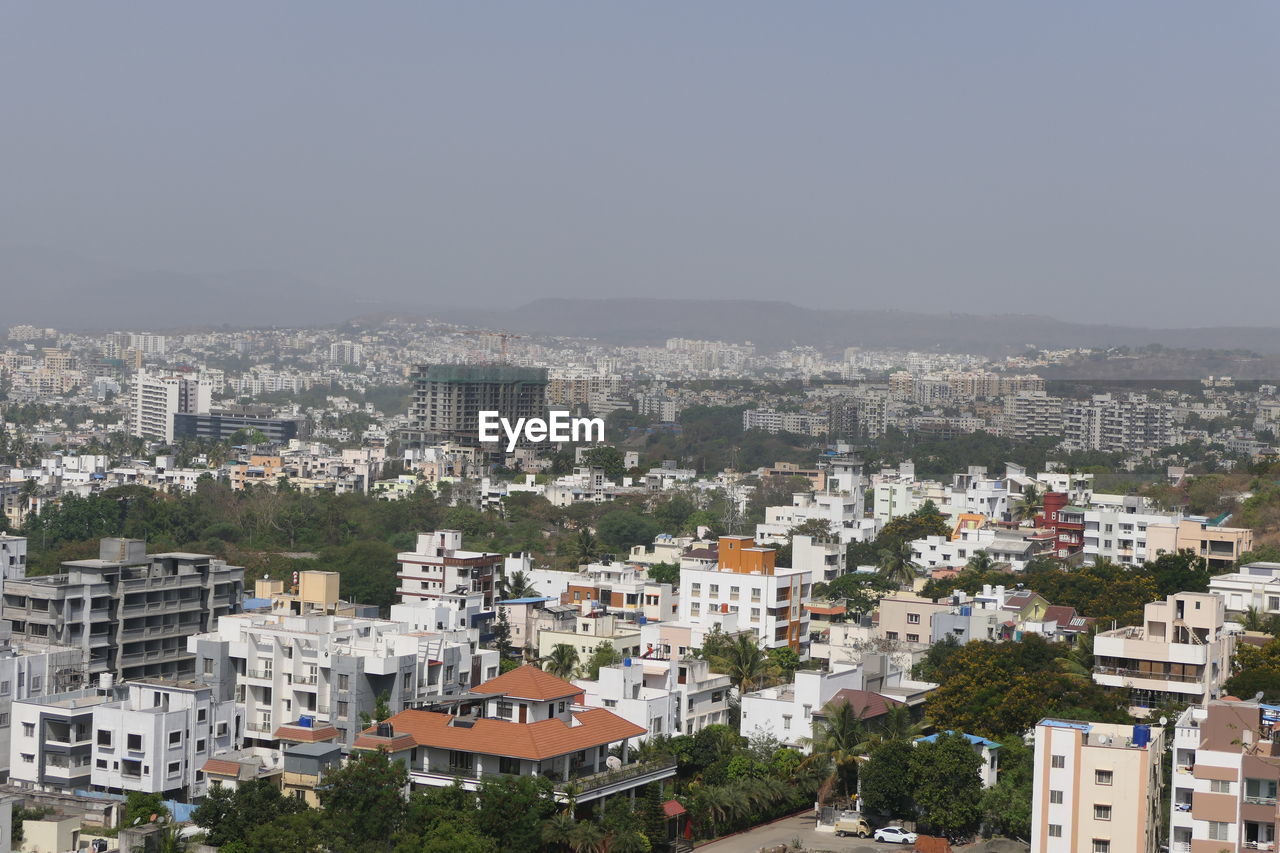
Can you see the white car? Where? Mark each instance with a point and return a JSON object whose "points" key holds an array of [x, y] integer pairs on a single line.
{"points": [[895, 835]]}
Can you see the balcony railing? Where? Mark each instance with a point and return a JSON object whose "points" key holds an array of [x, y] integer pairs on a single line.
{"points": [[1139, 673], [1260, 801], [586, 784], [1258, 845]]}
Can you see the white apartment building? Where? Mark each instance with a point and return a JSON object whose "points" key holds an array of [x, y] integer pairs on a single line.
{"points": [[1120, 534], [154, 400], [1180, 652], [621, 589], [439, 565], [157, 737], [151, 735], [13, 558], [1128, 424], [622, 689], [588, 631], [771, 420], [786, 711], [1097, 788], [825, 560], [1256, 585], [321, 671], [842, 511], [31, 669], [747, 587], [1014, 547], [1032, 414]]}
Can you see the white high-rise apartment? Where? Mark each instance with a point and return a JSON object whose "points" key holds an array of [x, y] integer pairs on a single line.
{"points": [[154, 400]]}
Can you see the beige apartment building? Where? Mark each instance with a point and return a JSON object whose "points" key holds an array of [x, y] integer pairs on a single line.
{"points": [[907, 618], [1097, 788], [1221, 547], [1226, 769], [1179, 653]]}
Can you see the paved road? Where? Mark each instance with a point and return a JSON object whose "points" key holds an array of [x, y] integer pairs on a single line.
{"points": [[788, 831]]}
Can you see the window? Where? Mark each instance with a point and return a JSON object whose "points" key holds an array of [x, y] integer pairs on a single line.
{"points": [[1055, 797], [1055, 830], [611, 703], [509, 765], [134, 743], [342, 710], [1260, 792], [786, 722], [460, 760], [891, 635], [4, 688], [35, 683], [913, 638], [1059, 761], [4, 721], [1219, 830], [208, 666], [28, 758], [1101, 845], [102, 763], [200, 745], [715, 697], [715, 590], [202, 714], [175, 738], [1101, 812], [695, 589], [1220, 786], [342, 682], [1102, 777], [913, 618], [174, 767], [1273, 602], [28, 729]]}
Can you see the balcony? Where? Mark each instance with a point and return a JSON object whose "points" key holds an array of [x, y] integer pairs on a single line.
{"points": [[1150, 676], [1260, 801]]}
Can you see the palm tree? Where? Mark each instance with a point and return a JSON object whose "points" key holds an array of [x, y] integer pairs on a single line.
{"points": [[562, 661], [1030, 506], [588, 837], [716, 803], [896, 725], [897, 564], [980, 562], [583, 548], [839, 742], [629, 842], [1254, 619], [558, 830], [746, 664], [518, 585]]}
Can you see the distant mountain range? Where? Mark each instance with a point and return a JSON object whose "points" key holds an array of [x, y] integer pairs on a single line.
{"points": [[781, 324], [48, 287]]}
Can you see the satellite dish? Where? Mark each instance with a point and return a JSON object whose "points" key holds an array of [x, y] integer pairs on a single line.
{"points": [[1103, 740], [1164, 721], [1257, 697], [613, 762]]}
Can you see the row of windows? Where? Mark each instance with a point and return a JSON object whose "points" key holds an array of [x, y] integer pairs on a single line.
{"points": [[1100, 845]]}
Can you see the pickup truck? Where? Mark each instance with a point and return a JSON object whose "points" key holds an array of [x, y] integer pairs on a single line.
{"points": [[853, 825]]}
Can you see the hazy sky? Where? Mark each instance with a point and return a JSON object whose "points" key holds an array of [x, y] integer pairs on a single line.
{"points": [[1111, 161]]}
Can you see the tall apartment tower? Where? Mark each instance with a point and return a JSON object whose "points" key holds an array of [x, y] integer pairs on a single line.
{"points": [[1097, 788], [448, 399], [154, 401], [130, 611]]}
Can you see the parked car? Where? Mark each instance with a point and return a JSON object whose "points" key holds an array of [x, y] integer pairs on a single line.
{"points": [[895, 835]]}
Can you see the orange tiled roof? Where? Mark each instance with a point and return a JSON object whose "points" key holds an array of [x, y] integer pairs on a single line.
{"points": [[529, 682], [535, 741], [301, 734], [218, 767]]}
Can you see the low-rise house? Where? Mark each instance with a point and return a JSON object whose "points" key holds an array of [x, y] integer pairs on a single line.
{"points": [[524, 723]]}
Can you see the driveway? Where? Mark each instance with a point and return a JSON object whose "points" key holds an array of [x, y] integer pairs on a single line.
{"points": [[799, 828]]}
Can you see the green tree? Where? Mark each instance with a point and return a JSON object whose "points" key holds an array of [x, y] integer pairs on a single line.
{"points": [[604, 654], [512, 810], [666, 573], [947, 787], [562, 662], [784, 661], [619, 529], [1256, 670], [608, 458], [518, 585], [364, 802], [897, 565], [143, 808], [838, 744], [291, 833], [582, 548], [229, 816], [885, 781], [746, 664], [454, 838], [1007, 805]]}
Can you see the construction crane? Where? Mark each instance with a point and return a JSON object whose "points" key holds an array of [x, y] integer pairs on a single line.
{"points": [[502, 336]]}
